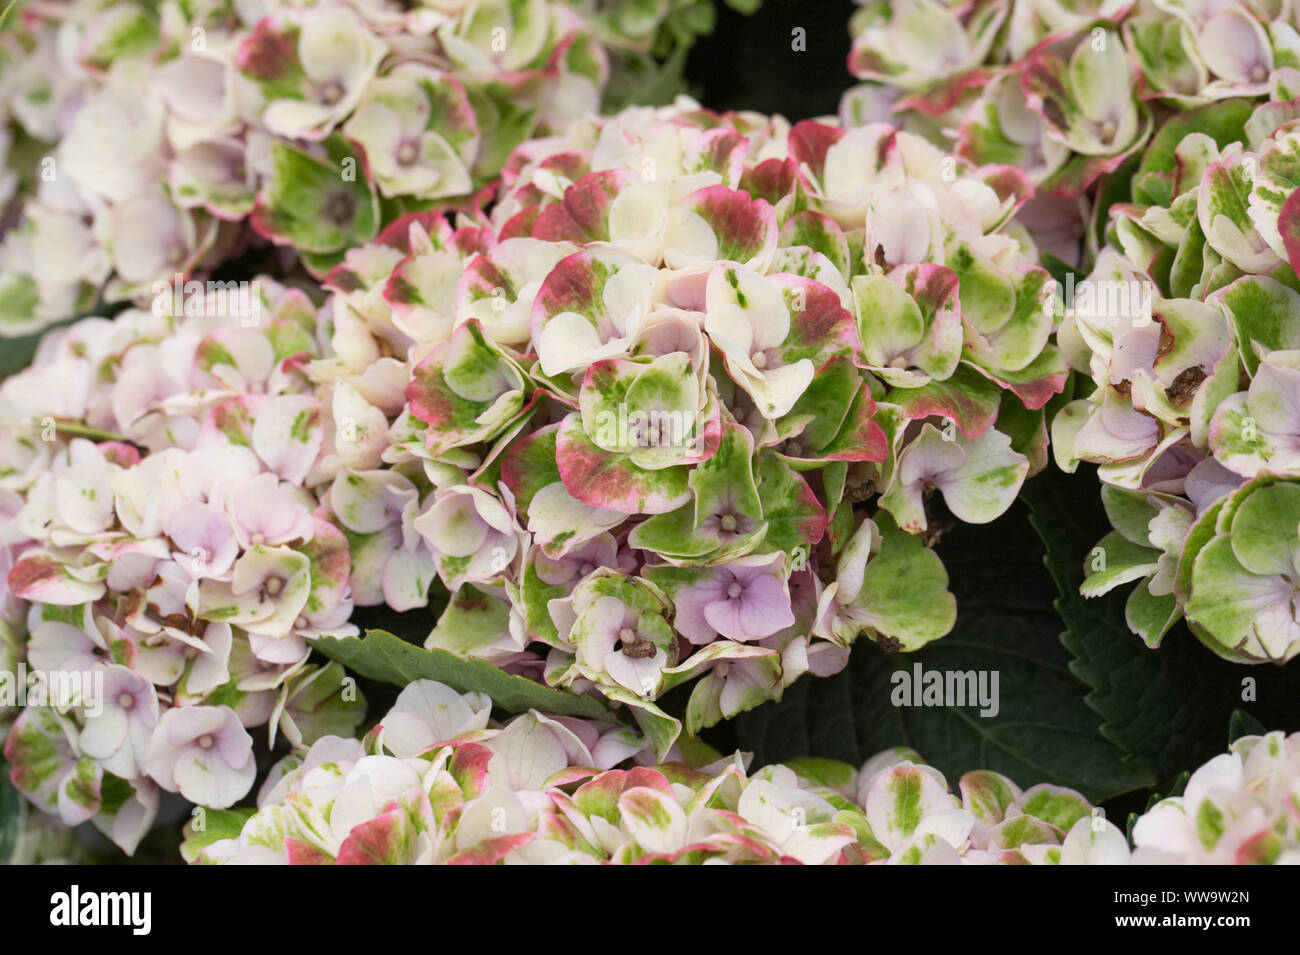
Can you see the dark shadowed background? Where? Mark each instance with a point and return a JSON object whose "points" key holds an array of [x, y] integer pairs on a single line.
{"points": [[750, 63]]}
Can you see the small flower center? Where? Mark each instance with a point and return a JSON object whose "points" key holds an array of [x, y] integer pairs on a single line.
{"points": [[728, 522], [1108, 129], [331, 93], [1259, 74], [126, 701], [257, 539], [407, 153], [205, 741], [634, 646], [274, 585], [759, 359], [585, 569], [735, 590], [301, 623]]}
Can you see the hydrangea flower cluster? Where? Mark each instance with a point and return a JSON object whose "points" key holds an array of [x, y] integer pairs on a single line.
{"points": [[1240, 808], [142, 138], [651, 391], [436, 783], [166, 552], [1188, 327], [640, 417], [1066, 92], [197, 491]]}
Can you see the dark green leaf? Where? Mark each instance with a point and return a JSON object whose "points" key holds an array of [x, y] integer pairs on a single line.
{"points": [[384, 657], [16, 353], [13, 815], [1043, 732], [1166, 707]]}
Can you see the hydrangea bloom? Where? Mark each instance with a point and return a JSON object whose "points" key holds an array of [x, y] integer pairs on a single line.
{"points": [[436, 783], [647, 391], [1192, 359], [167, 540], [143, 137], [1240, 808], [1067, 92]]}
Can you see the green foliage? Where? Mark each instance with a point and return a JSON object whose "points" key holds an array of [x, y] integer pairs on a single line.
{"points": [[13, 816], [1044, 730], [389, 659], [653, 77], [1165, 708]]}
